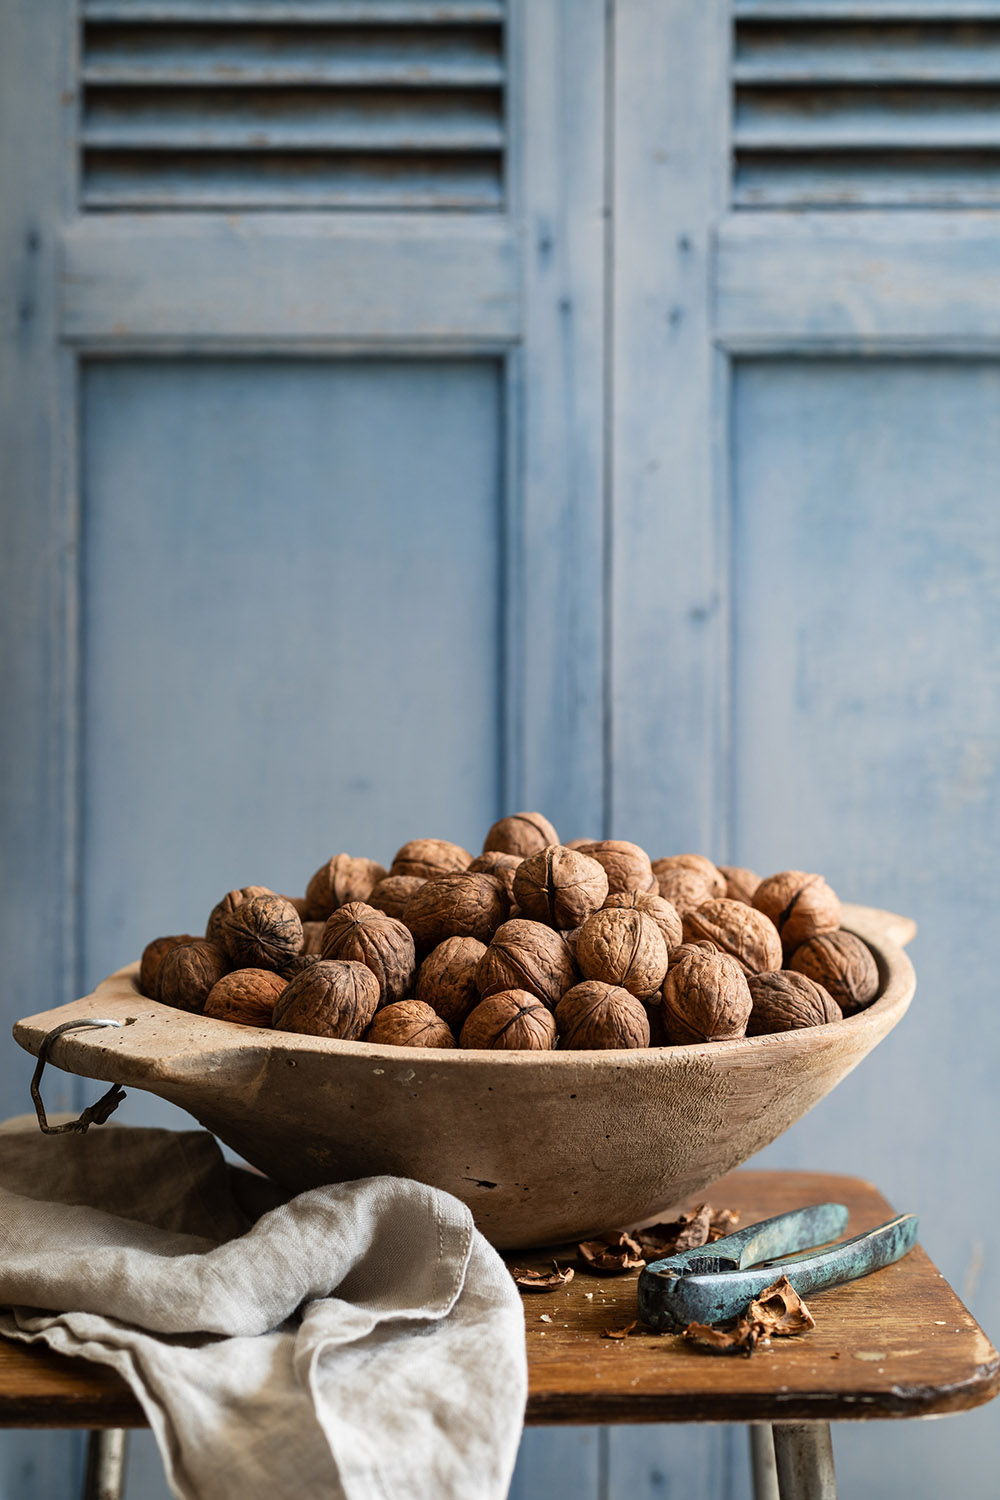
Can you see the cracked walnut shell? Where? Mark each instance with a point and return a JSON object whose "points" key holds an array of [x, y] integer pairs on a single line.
{"points": [[342, 879], [842, 964], [522, 834], [737, 929], [623, 947], [456, 905], [526, 955], [598, 1016], [799, 905], [331, 998], [706, 998], [359, 932], [560, 886], [246, 996], [262, 933], [409, 1023], [785, 1001], [513, 1020], [446, 980]]}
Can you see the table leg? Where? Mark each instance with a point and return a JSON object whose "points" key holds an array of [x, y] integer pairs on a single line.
{"points": [[104, 1478], [762, 1465], [803, 1455]]}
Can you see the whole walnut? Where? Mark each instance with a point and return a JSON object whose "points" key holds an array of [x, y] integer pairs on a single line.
{"points": [[188, 972], [230, 901], [342, 879], [560, 886], [409, 1023], [427, 858], [683, 949], [712, 875], [331, 998], [312, 937], [785, 1001], [684, 888], [446, 980], [740, 883], [842, 964], [706, 998], [391, 894], [737, 929], [596, 1015], [626, 865], [262, 933], [521, 834], [459, 905], [246, 996], [666, 917], [359, 932], [499, 864], [623, 947], [529, 956], [513, 1020], [799, 905], [152, 957], [580, 843]]}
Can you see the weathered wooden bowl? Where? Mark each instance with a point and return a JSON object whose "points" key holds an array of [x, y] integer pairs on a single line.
{"points": [[543, 1147]]}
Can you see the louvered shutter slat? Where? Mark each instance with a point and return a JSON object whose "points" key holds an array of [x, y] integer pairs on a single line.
{"points": [[299, 115]]}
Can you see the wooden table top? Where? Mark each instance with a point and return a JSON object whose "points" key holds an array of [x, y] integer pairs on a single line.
{"points": [[897, 1344]]}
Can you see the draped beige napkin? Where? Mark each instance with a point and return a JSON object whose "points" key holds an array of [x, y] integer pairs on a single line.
{"points": [[359, 1340]]}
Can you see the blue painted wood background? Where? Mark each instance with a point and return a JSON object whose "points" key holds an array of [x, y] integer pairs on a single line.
{"points": [[654, 486]]}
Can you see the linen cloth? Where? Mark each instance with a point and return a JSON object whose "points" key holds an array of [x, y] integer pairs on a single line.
{"points": [[361, 1340]]}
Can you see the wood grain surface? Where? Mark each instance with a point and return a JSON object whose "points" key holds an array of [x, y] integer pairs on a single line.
{"points": [[897, 1344]]}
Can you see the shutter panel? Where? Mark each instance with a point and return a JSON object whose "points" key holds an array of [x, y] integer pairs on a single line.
{"points": [[323, 105], [857, 105]]}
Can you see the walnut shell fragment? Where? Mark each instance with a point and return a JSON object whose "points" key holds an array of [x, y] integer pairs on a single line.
{"points": [[666, 917], [262, 933], [456, 905], [510, 1021], [342, 879], [610, 1254], [706, 998], [799, 905], [391, 894], [542, 1281], [246, 996], [740, 883], [188, 972], [597, 1016], [359, 932], [153, 955], [526, 955], [842, 964], [786, 1001], [737, 929], [409, 1023], [522, 834], [230, 901], [560, 886], [627, 867], [427, 858], [446, 980], [623, 947], [331, 998]]}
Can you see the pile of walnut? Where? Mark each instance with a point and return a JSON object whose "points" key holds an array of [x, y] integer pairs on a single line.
{"points": [[532, 945]]}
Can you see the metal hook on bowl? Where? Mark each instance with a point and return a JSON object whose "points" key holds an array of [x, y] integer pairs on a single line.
{"points": [[95, 1114]]}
